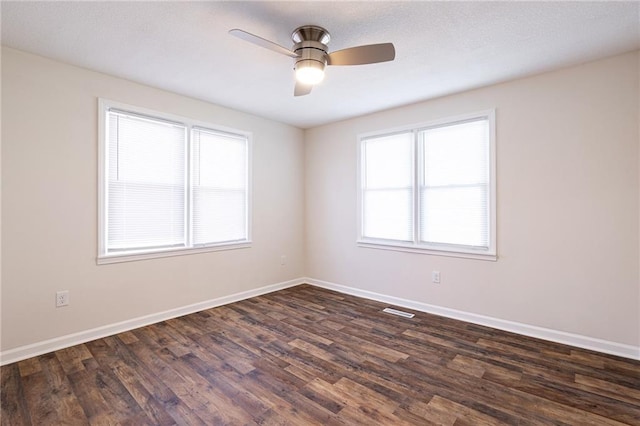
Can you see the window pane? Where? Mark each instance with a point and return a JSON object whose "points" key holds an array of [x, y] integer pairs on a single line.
{"points": [[145, 216], [454, 196], [456, 154], [146, 183], [220, 187], [388, 161], [456, 216], [388, 214], [219, 215], [387, 187]]}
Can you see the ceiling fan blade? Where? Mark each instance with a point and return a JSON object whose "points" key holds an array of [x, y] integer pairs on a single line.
{"points": [[302, 89], [259, 41], [360, 55]]}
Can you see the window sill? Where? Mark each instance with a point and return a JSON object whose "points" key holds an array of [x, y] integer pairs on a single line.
{"points": [[429, 251], [132, 256]]}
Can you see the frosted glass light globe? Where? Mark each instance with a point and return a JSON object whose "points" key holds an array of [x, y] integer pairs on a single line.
{"points": [[309, 72]]}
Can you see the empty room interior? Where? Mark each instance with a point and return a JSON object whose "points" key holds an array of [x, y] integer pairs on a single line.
{"points": [[332, 213]]}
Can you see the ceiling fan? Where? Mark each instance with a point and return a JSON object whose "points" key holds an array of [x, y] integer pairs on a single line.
{"points": [[311, 54]]}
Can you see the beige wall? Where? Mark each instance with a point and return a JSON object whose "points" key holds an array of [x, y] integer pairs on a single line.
{"points": [[49, 207], [568, 196]]}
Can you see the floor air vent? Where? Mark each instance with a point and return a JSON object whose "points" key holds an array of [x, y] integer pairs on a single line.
{"points": [[397, 312]]}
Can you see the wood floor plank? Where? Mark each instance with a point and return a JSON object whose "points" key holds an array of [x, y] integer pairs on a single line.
{"points": [[72, 358], [64, 399], [193, 392], [420, 411], [608, 389], [122, 404], [303, 410], [29, 366], [14, 410], [463, 413], [364, 396], [309, 356], [219, 405], [41, 407], [89, 396]]}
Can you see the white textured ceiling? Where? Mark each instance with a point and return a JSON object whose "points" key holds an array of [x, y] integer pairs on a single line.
{"points": [[441, 47]]}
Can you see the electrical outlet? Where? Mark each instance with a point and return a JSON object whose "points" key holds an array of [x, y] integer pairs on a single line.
{"points": [[62, 298], [435, 277], [283, 260]]}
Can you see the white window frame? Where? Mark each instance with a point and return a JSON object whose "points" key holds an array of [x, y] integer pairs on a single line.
{"points": [[424, 248], [104, 105]]}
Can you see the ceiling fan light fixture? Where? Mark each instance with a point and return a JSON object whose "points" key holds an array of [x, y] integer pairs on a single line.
{"points": [[309, 71]]}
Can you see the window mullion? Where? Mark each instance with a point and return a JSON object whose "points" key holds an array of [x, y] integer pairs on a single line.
{"points": [[417, 172], [188, 193]]}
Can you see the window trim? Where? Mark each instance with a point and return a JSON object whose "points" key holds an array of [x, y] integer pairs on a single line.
{"points": [[104, 105], [415, 246]]}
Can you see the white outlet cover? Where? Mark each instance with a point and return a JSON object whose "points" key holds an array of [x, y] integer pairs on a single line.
{"points": [[62, 298]]}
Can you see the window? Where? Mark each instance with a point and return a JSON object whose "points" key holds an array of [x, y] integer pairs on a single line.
{"points": [[169, 185], [430, 188]]}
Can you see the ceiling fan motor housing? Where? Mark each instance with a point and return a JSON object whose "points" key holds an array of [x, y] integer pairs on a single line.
{"points": [[310, 33], [311, 46]]}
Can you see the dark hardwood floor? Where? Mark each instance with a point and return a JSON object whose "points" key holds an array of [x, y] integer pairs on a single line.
{"points": [[311, 356]]}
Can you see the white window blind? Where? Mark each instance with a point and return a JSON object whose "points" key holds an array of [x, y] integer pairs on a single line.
{"points": [[431, 187], [146, 183], [387, 190], [219, 187], [455, 184], [169, 185]]}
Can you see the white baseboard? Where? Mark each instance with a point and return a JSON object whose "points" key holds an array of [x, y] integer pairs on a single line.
{"points": [[39, 348], [599, 345], [580, 341]]}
